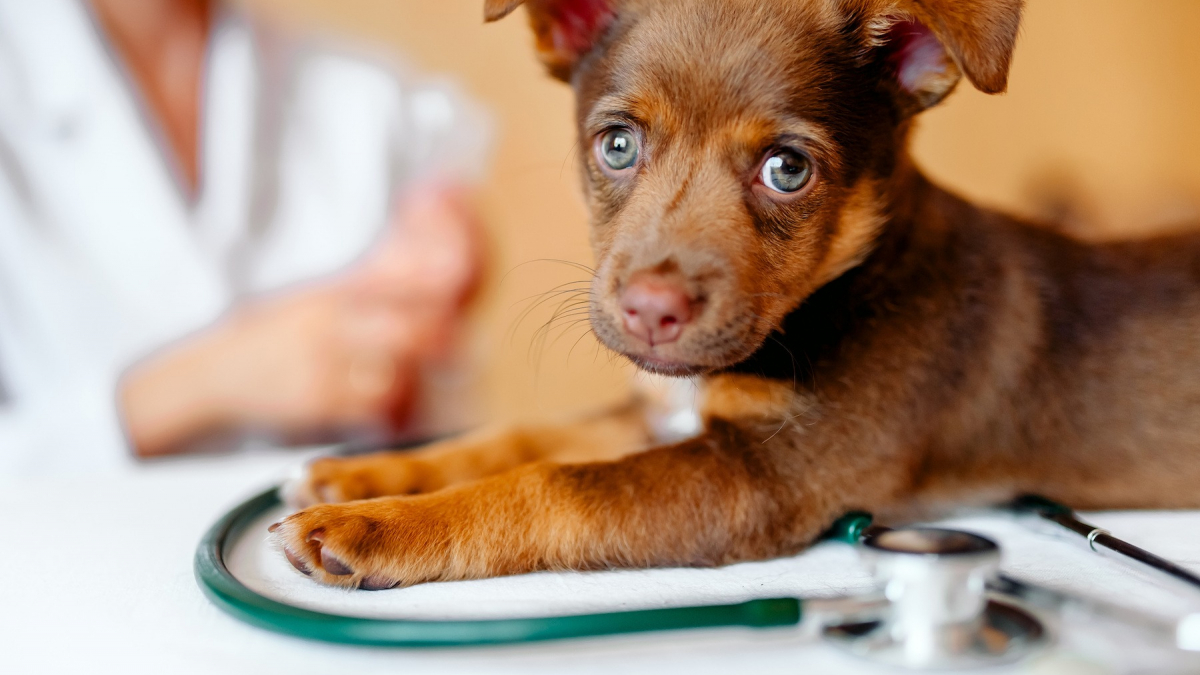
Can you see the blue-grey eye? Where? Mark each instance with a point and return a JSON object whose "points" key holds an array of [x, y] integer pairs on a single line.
{"points": [[786, 171], [618, 149]]}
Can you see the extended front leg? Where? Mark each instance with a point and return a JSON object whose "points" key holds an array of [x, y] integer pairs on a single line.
{"points": [[716, 499], [338, 479]]}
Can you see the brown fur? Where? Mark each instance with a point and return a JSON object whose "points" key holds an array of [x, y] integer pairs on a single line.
{"points": [[870, 342]]}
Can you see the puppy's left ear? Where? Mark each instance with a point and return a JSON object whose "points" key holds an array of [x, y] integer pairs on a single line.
{"points": [[931, 43], [980, 35], [566, 30]]}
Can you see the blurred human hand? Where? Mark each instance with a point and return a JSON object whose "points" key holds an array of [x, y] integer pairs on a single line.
{"points": [[328, 357]]}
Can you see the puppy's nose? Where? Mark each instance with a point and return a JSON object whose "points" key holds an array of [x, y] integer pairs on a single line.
{"points": [[655, 309]]}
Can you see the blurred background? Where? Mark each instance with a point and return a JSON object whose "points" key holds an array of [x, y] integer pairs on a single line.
{"points": [[1098, 129]]}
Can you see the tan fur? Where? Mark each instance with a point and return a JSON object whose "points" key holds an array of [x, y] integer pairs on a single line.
{"points": [[868, 342], [748, 398], [854, 238]]}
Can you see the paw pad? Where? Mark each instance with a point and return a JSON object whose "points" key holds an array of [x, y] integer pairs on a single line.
{"points": [[334, 566], [377, 583], [296, 562]]}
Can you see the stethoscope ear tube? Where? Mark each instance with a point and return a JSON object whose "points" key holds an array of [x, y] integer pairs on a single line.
{"points": [[1097, 536], [237, 599]]}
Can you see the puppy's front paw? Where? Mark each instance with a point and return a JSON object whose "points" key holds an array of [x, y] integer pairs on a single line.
{"points": [[372, 545], [320, 481], [331, 480]]}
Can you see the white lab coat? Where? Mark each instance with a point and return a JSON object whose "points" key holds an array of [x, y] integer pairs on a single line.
{"points": [[104, 257]]}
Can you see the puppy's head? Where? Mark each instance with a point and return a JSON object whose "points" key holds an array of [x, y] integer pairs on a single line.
{"points": [[739, 154]]}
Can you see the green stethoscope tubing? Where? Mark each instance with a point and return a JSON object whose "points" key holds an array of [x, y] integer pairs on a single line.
{"points": [[237, 599], [240, 601]]}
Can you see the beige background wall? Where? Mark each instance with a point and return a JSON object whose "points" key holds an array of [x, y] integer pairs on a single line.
{"points": [[1102, 115]]}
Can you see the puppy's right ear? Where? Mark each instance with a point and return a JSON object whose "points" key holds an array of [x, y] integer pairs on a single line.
{"points": [[566, 30]]}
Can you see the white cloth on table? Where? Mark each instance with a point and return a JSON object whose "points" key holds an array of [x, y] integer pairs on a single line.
{"points": [[97, 577]]}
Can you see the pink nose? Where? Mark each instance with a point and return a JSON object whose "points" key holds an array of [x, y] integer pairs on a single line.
{"points": [[655, 309]]}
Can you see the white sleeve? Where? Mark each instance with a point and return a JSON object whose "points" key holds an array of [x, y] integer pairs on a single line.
{"points": [[58, 380], [72, 428], [355, 135], [440, 135]]}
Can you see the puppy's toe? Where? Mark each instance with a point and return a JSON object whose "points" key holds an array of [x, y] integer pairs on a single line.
{"points": [[334, 566], [296, 561], [311, 484], [376, 582]]}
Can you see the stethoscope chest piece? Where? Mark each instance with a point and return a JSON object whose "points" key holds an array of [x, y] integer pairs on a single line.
{"points": [[938, 613]]}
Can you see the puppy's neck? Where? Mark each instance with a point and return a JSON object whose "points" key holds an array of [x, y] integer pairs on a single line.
{"points": [[921, 221]]}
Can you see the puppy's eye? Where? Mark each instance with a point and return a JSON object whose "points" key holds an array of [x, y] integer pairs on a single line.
{"points": [[786, 171], [618, 149]]}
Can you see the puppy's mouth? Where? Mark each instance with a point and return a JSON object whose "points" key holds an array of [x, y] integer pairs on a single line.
{"points": [[698, 351], [676, 323], [664, 367]]}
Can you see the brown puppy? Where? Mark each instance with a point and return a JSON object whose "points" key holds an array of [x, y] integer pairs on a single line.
{"points": [[866, 339]]}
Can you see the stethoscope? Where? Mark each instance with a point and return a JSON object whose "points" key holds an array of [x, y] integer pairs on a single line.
{"points": [[939, 600]]}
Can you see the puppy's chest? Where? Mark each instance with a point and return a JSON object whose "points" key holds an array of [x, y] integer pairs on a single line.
{"points": [[677, 408]]}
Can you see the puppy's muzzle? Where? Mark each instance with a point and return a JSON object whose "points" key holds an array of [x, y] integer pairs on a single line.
{"points": [[655, 309]]}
